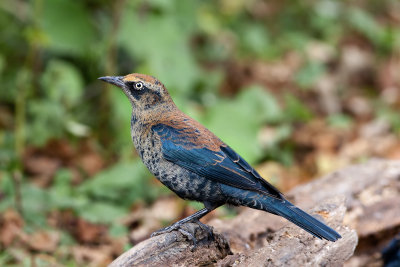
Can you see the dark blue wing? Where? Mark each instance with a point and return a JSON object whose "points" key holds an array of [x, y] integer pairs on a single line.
{"points": [[223, 166]]}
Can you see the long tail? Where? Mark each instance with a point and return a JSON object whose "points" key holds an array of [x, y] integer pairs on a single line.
{"points": [[281, 207], [303, 220]]}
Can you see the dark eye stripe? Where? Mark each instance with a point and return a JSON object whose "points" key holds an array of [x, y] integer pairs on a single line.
{"points": [[131, 85], [137, 94]]}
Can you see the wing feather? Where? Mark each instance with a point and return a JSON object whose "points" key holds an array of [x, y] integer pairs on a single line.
{"points": [[223, 166]]}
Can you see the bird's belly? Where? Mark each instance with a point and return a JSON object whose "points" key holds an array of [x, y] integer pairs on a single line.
{"points": [[184, 183]]}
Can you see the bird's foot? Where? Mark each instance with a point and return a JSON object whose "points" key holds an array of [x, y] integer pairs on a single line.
{"points": [[168, 229], [188, 232], [206, 228], [178, 227]]}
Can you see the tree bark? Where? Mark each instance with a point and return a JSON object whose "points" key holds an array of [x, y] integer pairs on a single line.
{"points": [[364, 197]]}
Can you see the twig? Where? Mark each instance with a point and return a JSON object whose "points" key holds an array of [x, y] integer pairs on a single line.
{"points": [[17, 179]]}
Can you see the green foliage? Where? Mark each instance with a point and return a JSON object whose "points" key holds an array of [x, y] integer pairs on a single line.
{"points": [[255, 40], [383, 37], [7, 191], [62, 83], [53, 51], [4, 258], [8, 154], [62, 92], [157, 37], [237, 123], [388, 114], [122, 184], [340, 121], [59, 30], [295, 110], [101, 212], [121, 114], [309, 74], [163, 42], [102, 199]]}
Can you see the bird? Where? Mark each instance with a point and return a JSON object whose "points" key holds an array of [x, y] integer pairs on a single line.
{"points": [[391, 253], [197, 165]]}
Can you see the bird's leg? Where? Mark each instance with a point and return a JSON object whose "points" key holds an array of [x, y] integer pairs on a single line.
{"points": [[192, 218]]}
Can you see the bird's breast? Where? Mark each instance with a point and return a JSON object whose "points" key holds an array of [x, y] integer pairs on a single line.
{"points": [[148, 146]]}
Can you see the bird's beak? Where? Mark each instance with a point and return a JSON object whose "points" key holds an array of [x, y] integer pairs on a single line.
{"points": [[116, 80]]}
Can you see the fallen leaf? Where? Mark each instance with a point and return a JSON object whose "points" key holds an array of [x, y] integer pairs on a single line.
{"points": [[87, 232], [11, 226], [89, 256], [46, 241]]}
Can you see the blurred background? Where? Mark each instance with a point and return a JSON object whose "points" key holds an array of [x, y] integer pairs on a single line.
{"points": [[298, 88]]}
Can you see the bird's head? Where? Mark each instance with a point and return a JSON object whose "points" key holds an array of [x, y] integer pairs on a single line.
{"points": [[144, 92]]}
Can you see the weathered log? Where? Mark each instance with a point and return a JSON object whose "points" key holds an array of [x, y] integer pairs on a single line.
{"points": [[369, 192], [174, 249], [291, 246]]}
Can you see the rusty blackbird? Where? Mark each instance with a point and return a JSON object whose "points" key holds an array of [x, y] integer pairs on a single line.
{"points": [[195, 164]]}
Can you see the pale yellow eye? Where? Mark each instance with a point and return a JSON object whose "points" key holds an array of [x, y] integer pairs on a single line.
{"points": [[139, 85]]}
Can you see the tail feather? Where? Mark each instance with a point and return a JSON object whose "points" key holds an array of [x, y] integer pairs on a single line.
{"points": [[280, 207], [304, 220]]}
